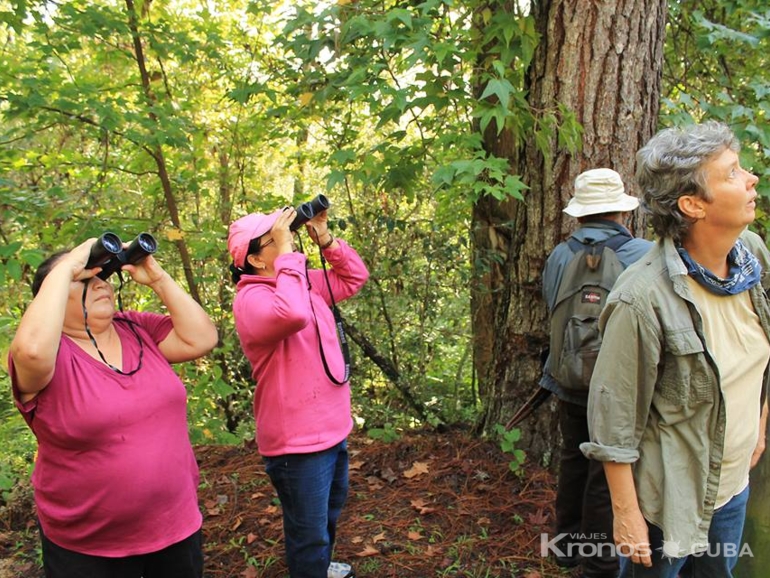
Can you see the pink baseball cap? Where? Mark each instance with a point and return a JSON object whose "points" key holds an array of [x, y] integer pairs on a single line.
{"points": [[244, 230]]}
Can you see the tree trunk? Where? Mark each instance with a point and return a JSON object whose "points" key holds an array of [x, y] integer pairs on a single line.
{"points": [[156, 151], [602, 60]]}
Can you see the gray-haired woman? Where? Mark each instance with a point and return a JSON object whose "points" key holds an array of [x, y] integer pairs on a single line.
{"points": [[677, 408]]}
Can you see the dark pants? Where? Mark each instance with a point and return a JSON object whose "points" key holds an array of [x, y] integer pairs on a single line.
{"points": [[181, 560], [583, 505]]}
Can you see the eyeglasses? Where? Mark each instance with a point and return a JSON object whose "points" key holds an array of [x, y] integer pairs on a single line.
{"points": [[272, 240]]}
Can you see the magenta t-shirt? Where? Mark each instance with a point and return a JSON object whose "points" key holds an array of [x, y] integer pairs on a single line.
{"points": [[115, 473]]}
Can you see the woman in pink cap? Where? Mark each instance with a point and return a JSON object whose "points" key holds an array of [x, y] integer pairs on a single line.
{"points": [[302, 400]]}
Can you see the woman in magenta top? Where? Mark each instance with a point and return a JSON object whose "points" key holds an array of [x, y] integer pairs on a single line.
{"points": [[284, 322], [115, 478]]}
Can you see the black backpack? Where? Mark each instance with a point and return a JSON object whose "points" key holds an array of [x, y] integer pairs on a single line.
{"points": [[587, 280]]}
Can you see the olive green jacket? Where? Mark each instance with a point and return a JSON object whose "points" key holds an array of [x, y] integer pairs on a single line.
{"points": [[655, 398]]}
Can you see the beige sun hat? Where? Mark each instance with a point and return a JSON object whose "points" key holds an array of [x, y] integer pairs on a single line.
{"points": [[599, 191]]}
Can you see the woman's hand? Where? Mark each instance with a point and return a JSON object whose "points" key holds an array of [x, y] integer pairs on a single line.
{"points": [[147, 272], [77, 260], [280, 233], [318, 229]]}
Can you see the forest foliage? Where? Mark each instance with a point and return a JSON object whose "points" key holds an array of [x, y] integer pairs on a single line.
{"points": [[177, 117]]}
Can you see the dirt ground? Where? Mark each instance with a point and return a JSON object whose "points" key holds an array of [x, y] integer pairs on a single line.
{"points": [[426, 505]]}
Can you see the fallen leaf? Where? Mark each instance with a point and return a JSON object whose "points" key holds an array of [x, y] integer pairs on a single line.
{"points": [[539, 518], [250, 538], [374, 483], [357, 539], [236, 525], [388, 475], [417, 469], [355, 465], [413, 535], [369, 550], [484, 521], [379, 537], [420, 505], [250, 572]]}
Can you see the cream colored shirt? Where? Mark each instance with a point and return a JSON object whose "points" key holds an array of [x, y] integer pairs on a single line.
{"points": [[741, 350]]}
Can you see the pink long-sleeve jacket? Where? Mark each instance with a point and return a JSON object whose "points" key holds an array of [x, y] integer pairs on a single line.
{"points": [[298, 409]]}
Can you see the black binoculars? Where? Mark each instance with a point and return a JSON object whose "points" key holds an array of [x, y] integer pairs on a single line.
{"points": [[109, 254], [307, 211]]}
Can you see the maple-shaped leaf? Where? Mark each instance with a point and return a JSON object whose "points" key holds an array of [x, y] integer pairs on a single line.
{"points": [[420, 505], [539, 518], [369, 550], [355, 465], [356, 539], [417, 469], [414, 535]]}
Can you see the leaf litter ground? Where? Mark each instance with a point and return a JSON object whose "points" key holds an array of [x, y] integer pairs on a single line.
{"points": [[426, 505]]}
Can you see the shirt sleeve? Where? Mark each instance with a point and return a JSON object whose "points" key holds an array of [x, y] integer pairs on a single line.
{"points": [[622, 385], [347, 275], [156, 325]]}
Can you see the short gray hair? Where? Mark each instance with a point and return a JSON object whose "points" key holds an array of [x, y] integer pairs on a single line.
{"points": [[671, 165]]}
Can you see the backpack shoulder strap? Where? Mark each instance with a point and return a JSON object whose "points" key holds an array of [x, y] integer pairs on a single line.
{"points": [[615, 242]]}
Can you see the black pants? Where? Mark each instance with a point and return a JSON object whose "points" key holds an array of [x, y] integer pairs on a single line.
{"points": [[181, 560], [583, 506]]}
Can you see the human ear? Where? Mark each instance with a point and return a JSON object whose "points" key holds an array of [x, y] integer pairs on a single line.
{"points": [[692, 207], [256, 261]]}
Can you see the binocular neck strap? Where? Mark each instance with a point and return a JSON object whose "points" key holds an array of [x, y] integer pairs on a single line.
{"points": [[342, 338], [130, 325]]}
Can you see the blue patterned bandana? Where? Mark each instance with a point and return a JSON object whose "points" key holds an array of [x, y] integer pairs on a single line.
{"points": [[744, 271]]}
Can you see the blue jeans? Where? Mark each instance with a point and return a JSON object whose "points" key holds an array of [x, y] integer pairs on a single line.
{"points": [[312, 489], [717, 562]]}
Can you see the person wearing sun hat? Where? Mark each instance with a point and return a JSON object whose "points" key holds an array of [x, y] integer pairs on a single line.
{"points": [[599, 191], [302, 399], [583, 507], [677, 408]]}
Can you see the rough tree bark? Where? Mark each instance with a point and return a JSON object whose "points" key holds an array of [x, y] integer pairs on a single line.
{"points": [[603, 61]]}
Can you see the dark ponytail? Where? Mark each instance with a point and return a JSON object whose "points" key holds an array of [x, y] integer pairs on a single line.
{"points": [[237, 272]]}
